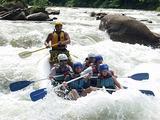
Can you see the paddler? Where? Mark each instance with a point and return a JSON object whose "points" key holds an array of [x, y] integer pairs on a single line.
{"points": [[98, 61], [106, 79], [79, 87], [62, 69], [89, 61], [58, 40]]}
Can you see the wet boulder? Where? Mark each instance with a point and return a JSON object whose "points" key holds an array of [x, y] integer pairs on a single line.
{"points": [[54, 12], [38, 17], [98, 15], [2, 8], [16, 14], [128, 30], [20, 16]]}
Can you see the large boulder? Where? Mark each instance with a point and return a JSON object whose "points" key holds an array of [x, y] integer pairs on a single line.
{"points": [[2, 8], [38, 17], [16, 14], [20, 16], [128, 30]]}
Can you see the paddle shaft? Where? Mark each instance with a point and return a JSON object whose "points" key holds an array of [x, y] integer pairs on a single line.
{"points": [[47, 78], [137, 76], [70, 81], [118, 77], [22, 84], [43, 48], [26, 54], [38, 50]]}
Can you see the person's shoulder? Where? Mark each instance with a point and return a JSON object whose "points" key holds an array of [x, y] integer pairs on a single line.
{"points": [[70, 68], [55, 66], [50, 34], [65, 33]]}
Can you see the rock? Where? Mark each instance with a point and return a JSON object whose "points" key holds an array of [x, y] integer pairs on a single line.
{"points": [[51, 19], [98, 15], [54, 12], [9, 15], [128, 30], [20, 16], [38, 17], [2, 8], [145, 20], [93, 14]]}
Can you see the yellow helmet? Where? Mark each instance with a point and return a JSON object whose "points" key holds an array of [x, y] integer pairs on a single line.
{"points": [[58, 23]]}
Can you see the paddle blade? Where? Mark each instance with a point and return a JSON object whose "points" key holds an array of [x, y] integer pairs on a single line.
{"points": [[140, 76], [25, 54], [147, 92], [38, 94], [19, 85]]}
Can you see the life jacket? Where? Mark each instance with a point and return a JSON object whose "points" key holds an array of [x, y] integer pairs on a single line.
{"points": [[56, 38], [93, 80], [62, 71], [107, 82], [78, 84]]}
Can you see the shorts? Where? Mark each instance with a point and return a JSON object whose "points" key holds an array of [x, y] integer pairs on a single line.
{"points": [[54, 56]]}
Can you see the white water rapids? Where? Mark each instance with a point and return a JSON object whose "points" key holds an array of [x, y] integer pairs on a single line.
{"points": [[124, 59]]}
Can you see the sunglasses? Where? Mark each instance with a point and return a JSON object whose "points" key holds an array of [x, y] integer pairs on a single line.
{"points": [[63, 60]]}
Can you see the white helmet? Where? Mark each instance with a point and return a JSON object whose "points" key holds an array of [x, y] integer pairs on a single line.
{"points": [[91, 55], [62, 57]]}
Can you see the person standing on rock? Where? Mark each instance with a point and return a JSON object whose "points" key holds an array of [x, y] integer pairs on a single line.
{"points": [[58, 40]]}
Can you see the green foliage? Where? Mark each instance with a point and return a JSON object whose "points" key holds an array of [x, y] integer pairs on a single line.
{"points": [[40, 3], [158, 9], [70, 3], [131, 4], [110, 4], [2, 1], [36, 9], [114, 4]]}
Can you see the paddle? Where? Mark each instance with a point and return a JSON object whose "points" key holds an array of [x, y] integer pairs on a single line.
{"points": [[24, 83], [147, 92], [137, 76], [38, 94], [140, 76], [26, 54], [41, 93]]}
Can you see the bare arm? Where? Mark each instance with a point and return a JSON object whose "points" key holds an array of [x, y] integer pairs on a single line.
{"points": [[116, 82], [49, 38], [67, 39], [53, 73]]}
